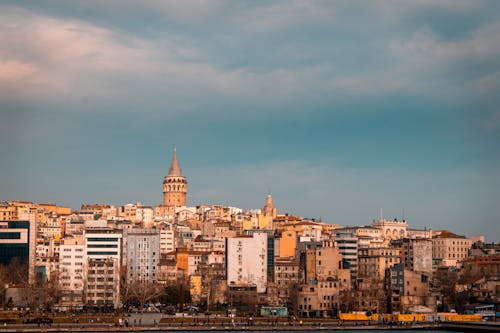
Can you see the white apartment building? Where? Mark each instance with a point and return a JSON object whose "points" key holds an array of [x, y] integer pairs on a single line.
{"points": [[74, 227], [143, 254], [215, 257], [103, 250], [145, 214], [347, 243], [47, 257], [50, 229], [167, 240], [109, 213], [367, 236], [194, 261], [213, 245], [247, 261], [127, 212], [184, 213], [72, 272]]}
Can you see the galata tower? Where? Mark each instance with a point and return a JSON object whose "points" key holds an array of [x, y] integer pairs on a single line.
{"points": [[174, 185]]}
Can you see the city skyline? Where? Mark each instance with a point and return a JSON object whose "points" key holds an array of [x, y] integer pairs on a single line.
{"points": [[338, 109]]}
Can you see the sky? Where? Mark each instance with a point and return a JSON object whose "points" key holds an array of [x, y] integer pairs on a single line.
{"points": [[339, 109]]}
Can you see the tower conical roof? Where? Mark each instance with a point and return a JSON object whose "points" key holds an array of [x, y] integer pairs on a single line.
{"points": [[269, 200], [175, 168]]}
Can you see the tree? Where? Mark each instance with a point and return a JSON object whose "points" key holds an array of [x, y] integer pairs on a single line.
{"points": [[15, 275], [145, 292], [141, 292], [347, 300], [446, 282], [176, 295], [3, 284], [50, 292], [15, 272]]}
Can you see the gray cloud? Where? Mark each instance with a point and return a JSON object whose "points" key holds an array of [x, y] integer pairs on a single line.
{"points": [[239, 78]]}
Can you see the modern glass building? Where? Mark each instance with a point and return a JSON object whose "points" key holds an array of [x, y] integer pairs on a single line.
{"points": [[15, 244]]}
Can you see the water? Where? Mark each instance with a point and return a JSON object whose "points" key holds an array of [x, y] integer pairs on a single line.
{"points": [[315, 331]]}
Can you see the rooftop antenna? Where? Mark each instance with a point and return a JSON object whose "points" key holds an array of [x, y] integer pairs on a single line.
{"points": [[381, 215], [404, 216]]}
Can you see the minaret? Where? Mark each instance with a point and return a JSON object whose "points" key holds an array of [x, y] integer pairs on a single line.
{"points": [[269, 210], [174, 185]]}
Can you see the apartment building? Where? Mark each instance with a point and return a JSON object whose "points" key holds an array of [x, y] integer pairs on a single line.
{"points": [[323, 278], [167, 239], [372, 262], [408, 289], [103, 251], [246, 260], [286, 278], [142, 254], [449, 248], [347, 244], [72, 272]]}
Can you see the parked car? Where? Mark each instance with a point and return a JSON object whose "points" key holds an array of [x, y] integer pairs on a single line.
{"points": [[192, 309]]}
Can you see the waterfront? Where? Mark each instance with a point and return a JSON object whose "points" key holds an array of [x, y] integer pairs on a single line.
{"points": [[167, 329], [431, 328]]}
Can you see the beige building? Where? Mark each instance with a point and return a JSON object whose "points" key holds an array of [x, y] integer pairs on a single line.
{"points": [[408, 289], [450, 248], [367, 236], [47, 257], [50, 228], [213, 270], [372, 262], [391, 229], [286, 278], [419, 233], [128, 212], [7, 212], [168, 273], [415, 253], [27, 210], [174, 185], [369, 295], [102, 285], [324, 278]]}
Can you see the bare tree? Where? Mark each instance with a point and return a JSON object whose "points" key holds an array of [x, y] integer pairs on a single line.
{"points": [[16, 272], [446, 281], [140, 293], [50, 292], [15, 275], [347, 300], [3, 284]]}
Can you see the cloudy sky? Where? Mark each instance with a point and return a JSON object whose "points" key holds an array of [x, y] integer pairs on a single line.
{"points": [[338, 108]]}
